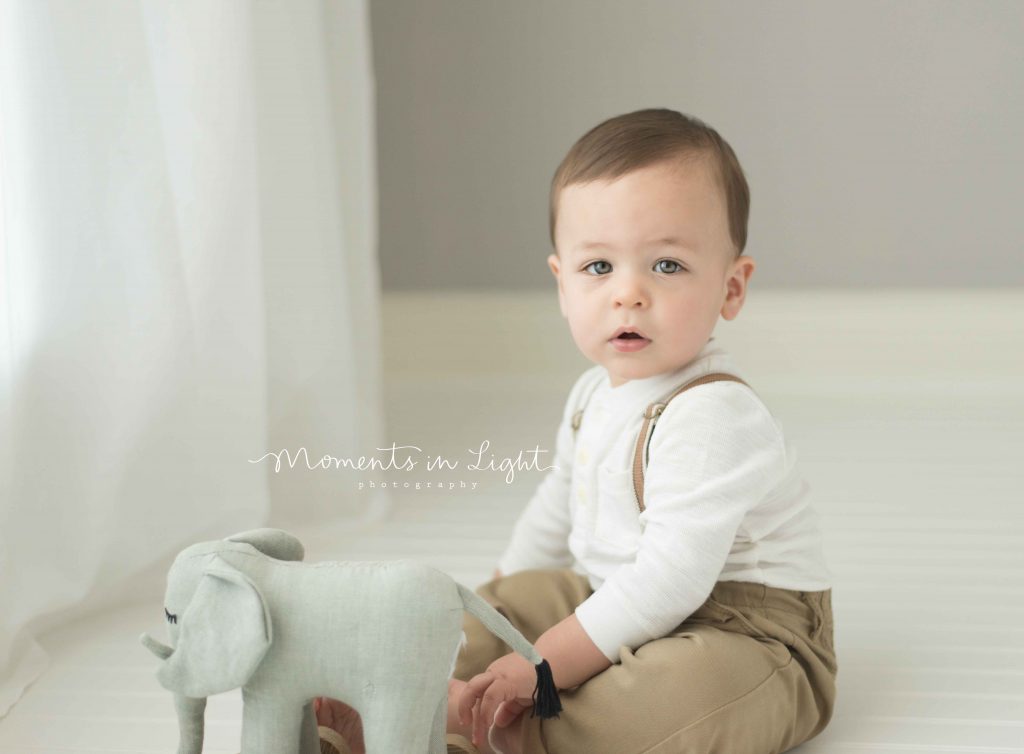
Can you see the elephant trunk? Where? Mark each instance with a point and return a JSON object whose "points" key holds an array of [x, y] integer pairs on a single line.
{"points": [[190, 710]]}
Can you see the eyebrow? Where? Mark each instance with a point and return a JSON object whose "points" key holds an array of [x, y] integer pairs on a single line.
{"points": [[668, 241]]}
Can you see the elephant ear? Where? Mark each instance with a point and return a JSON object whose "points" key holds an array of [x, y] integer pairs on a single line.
{"points": [[222, 636], [274, 543]]}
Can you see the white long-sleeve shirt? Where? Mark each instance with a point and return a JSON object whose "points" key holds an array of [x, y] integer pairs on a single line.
{"points": [[724, 501]]}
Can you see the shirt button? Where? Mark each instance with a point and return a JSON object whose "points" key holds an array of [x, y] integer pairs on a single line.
{"points": [[581, 492], [583, 457]]}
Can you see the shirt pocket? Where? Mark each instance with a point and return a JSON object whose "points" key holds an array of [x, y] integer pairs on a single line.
{"points": [[617, 523]]}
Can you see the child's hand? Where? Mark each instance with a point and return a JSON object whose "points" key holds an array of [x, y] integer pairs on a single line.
{"points": [[507, 683]]}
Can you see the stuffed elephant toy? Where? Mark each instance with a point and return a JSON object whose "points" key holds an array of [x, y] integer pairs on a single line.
{"points": [[381, 636]]}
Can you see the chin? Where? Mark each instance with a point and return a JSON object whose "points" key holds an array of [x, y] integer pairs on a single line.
{"points": [[637, 373]]}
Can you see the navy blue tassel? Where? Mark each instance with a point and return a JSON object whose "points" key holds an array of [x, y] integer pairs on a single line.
{"points": [[545, 696]]}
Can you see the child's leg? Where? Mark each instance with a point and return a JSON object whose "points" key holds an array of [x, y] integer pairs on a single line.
{"points": [[752, 671], [342, 719], [533, 601]]}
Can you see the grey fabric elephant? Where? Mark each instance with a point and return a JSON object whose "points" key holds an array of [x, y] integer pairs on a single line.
{"points": [[380, 636]]}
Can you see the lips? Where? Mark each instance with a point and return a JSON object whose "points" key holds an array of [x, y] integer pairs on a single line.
{"points": [[628, 340], [629, 333]]}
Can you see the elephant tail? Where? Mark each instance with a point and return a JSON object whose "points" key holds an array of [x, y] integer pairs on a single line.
{"points": [[546, 703]]}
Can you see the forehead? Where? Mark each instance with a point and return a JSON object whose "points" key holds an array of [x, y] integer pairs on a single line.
{"points": [[667, 200]]}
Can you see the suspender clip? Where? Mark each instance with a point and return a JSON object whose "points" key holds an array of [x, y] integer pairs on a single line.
{"points": [[655, 409]]}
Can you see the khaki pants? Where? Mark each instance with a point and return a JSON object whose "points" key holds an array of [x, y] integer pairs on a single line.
{"points": [[752, 671]]}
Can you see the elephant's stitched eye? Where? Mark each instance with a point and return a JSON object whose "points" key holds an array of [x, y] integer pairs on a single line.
{"points": [[170, 618]]}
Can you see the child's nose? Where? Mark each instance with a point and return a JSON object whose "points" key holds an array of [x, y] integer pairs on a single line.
{"points": [[630, 292]]}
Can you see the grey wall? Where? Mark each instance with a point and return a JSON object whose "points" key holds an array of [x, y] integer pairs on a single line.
{"points": [[881, 140]]}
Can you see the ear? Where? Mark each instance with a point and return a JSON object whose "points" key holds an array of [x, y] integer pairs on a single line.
{"points": [[736, 286], [222, 636], [274, 543], [556, 269]]}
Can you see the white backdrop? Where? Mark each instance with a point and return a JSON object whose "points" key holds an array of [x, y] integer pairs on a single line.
{"points": [[188, 279]]}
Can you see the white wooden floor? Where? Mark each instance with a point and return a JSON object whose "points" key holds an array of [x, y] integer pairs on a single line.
{"points": [[919, 491]]}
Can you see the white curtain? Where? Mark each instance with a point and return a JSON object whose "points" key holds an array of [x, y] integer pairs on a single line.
{"points": [[188, 280]]}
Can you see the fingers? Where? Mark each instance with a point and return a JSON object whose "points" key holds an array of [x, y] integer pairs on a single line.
{"points": [[480, 702], [498, 712], [489, 704], [508, 713], [475, 688]]}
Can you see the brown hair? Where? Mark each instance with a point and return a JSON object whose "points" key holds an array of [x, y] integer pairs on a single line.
{"points": [[636, 140]]}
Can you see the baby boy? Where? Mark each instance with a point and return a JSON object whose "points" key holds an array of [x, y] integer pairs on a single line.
{"points": [[673, 579]]}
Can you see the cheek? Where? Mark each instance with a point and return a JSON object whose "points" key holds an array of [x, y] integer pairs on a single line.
{"points": [[584, 328], [684, 308], [579, 324], [576, 306], [679, 321]]}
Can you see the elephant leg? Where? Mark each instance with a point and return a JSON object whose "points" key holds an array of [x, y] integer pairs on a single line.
{"points": [[270, 726], [440, 727], [310, 738], [389, 727]]}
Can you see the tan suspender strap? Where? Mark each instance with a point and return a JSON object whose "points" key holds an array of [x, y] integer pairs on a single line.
{"points": [[651, 415]]}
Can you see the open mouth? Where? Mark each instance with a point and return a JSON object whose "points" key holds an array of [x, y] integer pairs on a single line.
{"points": [[629, 341], [629, 335]]}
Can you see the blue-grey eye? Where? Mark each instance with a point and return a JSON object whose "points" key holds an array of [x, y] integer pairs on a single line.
{"points": [[668, 261], [599, 261], [170, 618]]}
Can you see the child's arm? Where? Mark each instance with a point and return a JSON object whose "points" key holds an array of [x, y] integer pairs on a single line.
{"points": [[716, 454], [573, 657], [540, 538], [506, 687]]}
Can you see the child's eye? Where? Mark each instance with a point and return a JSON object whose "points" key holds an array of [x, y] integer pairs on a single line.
{"points": [[171, 618], [598, 272], [660, 262]]}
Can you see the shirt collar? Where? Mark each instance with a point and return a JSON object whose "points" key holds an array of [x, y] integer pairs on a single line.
{"points": [[635, 395]]}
